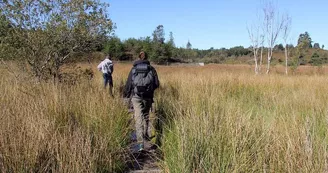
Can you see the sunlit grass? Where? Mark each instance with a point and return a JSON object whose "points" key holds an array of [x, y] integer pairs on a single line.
{"points": [[239, 122], [61, 128], [215, 118]]}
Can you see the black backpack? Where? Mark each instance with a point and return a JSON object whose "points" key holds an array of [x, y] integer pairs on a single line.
{"points": [[143, 80]]}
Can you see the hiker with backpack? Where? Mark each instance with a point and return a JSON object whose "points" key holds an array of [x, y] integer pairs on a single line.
{"points": [[141, 84], [107, 68]]}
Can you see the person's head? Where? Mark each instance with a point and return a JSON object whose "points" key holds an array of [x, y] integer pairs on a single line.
{"points": [[107, 57], [143, 55]]}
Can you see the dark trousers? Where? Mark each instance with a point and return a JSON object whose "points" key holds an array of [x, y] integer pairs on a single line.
{"points": [[108, 80]]}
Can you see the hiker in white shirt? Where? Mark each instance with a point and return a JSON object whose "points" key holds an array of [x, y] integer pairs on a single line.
{"points": [[107, 68]]}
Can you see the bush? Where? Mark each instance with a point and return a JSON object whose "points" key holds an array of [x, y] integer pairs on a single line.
{"points": [[316, 60]]}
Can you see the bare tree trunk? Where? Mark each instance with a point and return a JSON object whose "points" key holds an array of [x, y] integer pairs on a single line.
{"points": [[256, 68], [261, 59], [286, 55], [273, 26], [255, 60], [269, 60], [253, 33]]}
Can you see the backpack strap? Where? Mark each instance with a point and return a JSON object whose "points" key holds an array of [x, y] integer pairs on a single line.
{"points": [[133, 73], [142, 68]]}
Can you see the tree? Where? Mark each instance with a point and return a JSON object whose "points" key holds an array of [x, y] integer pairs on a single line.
{"points": [[290, 46], [305, 40], [132, 47], [114, 48], [262, 36], [316, 59], [50, 32], [300, 52], [147, 45], [171, 45], [316, 46], [159, 34], [237, 51], [286, 32], [160, 53], [324, 57], [6, 51], [171, 40], [279, 47], [322, 46], [273, 24], [188, 46], [254, 36]]}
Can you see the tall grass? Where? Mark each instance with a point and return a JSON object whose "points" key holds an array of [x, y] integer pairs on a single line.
{"points": [[61, 128], [215, 118], [238, 122]]}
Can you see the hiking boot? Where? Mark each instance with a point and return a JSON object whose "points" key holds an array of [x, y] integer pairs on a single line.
{"points": [[150, 147], [140, 147]]}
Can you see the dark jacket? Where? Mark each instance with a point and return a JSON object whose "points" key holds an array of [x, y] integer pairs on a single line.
{"points": [[128, 91]]}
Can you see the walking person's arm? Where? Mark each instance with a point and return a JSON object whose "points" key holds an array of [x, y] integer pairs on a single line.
{"points": [[128, 86], [112, 68], [99, 67], [156, 81]]}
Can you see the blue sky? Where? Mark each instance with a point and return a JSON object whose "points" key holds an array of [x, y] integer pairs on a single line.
{"points": [[213, 23]]}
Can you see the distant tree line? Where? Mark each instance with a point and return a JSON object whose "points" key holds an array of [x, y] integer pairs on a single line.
{"points": [[162, 51]]}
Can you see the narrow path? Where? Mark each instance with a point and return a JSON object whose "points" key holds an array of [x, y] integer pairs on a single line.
{"points": [[145, 161], [148, 160]]}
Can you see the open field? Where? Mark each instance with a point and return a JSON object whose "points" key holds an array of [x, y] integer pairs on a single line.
{"points": [[217, 118], [233, 121]]}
